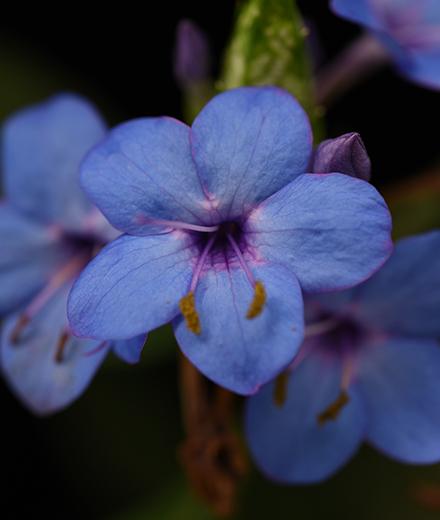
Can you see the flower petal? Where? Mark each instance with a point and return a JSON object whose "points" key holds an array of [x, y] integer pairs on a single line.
{"points": [[404, 296], [42, 149], [29, 255], [39, 381], [399, 380], [132, 286], [359, 11], [238, 353], [287, 443], [143, 171], [424, 68], [129, 350], [331, 230], [247, 144]]}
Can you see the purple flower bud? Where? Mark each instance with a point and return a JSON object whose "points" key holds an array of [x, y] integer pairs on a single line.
{"points": [[344, 154], [191, 55]]}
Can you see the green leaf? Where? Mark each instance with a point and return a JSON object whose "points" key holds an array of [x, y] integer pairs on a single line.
{"points": [[268, 48]]}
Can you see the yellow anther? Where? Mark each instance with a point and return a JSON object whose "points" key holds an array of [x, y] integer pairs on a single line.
{"points": [[21, 324], [280, 389], [61, 347], [188, 309], [257, 305], [334, 409]]}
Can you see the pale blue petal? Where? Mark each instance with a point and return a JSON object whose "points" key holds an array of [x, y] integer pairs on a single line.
{"points": [[404, 296], [247, 144], [44, 385], [132, 286], [331, 230], [143, 171], [235, 352], [287, 443], [399, 379], [42, 149], [129, 350], [29, 256]]}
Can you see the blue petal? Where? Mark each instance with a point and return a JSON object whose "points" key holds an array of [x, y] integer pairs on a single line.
{"points": [[235, 352], [404, 296], [41, 383], [359, 11], [399, 380], [132, 286], [331, 230], [129, 350], [29, 255], [42, 150], [423, 68], [248, 143], [287, 443], [144, 170]]}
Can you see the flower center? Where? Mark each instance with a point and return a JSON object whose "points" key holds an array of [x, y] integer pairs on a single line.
{"points": [[341, 337], [225, 245], [334, 336], [83, 250]]}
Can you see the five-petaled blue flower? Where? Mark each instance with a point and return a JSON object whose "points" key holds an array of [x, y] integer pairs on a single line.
{"points": [[409, 29], [223, 228], [48, 231], [370, 370]]}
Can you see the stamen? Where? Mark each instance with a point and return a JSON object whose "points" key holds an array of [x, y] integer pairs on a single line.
{"points": [[320, 327], [188, 309], [21, 324], [61, 347], [257, 305], [280, 389], [175, 224], [241, 259], [187, 304], [332, 412], [67, 272]]}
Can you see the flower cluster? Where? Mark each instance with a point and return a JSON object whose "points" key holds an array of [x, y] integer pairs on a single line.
{"points": [[271, 258], [369, 370]]}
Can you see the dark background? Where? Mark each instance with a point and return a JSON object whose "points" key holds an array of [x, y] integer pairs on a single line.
{"points": [[114, 450]]}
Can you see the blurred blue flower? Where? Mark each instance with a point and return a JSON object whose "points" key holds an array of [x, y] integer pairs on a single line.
{"points": [[368, 370], [409, 29], [48, 232], [223, 228]]}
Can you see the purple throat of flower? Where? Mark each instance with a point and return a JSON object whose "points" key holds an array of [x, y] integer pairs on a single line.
{"points": [[221, 247], [83, 250], [335, 337]]}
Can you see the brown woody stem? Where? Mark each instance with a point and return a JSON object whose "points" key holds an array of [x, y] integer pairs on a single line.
{"points": [[212, 454]]}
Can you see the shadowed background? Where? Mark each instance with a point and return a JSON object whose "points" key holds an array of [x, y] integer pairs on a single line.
{"points": [[113, 453]]}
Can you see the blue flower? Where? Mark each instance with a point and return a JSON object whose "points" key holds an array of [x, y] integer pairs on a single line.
{"points": [[48, 232], [409, 29], [369, 370], [223, 228]]}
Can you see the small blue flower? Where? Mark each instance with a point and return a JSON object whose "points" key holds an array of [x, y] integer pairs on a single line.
{"points": [[222, 229], [409, 29], [48, 232], [369, 370]]}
